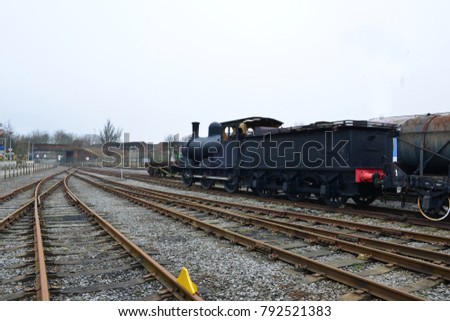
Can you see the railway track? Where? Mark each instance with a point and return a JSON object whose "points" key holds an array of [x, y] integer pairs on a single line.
{"points": [[56, 248], [430, 265], [372, 211]]}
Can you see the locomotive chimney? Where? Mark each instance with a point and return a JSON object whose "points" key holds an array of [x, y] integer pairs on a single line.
{"points": [[195, 128]]}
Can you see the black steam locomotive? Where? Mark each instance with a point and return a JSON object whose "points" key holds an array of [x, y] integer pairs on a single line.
{"points": [[332, 161]]}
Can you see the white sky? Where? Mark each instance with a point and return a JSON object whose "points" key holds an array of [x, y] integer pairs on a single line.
{"points": [[153, 67]]}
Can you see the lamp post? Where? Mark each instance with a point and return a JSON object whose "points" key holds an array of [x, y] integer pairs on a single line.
{"points": [[10, 146]]}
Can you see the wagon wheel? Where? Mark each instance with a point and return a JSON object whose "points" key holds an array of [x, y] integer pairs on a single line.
{"points": [[263, 192], [334, 201], [317, 195], [207, 183], [364, 200], [435, 214], [296, 197], [230, 187], [301, 196], [187, 178]]}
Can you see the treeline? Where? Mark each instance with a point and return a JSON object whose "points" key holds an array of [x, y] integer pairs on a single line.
{"points": [[22, 144], [58, 137]]}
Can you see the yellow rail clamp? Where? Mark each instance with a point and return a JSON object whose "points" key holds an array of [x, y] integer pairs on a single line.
{"points": [[185, 280]]}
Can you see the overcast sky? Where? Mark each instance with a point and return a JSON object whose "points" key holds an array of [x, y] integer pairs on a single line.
{"points": [[153, 67]]}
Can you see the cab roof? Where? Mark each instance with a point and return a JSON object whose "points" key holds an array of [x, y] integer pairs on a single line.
{"points": [[253, 122]]}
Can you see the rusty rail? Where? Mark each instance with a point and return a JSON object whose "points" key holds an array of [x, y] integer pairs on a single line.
{"points": [[338, 239], [158, 271], [17, 191], [347, 242], [350, 279], [42, 289], [301, 217]]}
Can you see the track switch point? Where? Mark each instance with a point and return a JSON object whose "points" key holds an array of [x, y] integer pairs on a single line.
{"points": [[185, 280]]}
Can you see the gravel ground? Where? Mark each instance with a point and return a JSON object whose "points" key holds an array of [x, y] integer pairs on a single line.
{"points": [[8, 206], [235, 274], [436, 293], [243, 200], [97, 261], [9, 184], [395, 278]]}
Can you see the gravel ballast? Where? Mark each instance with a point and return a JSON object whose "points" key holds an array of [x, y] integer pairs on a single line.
{"points": [[222, 271]]}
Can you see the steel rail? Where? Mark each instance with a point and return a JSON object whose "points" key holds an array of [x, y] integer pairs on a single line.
{"points": [[328, 238], [396, 248], [374, 212], [23, 209], [331, 221], [350, 279], [42, 288], [157, 270], [26, 206], [302, 217], [17, 191], [388, 246], [334, 222], [16, 214]]}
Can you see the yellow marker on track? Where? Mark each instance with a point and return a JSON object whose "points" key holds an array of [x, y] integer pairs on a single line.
{"points": [[185, 280]]}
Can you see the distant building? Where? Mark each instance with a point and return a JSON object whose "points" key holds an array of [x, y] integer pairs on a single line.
{"points": [[65, 153]]}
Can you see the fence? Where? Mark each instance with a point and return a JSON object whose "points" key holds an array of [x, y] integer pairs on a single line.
{"points": [[14, 170]]}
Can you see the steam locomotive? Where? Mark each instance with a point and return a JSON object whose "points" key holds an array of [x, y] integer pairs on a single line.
{"points": [[332, 161]]}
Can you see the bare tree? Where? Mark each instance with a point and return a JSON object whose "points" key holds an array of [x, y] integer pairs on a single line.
{"points": [[9, 132], [90, 139], [38, 136], [169, 138], [110, 133], [9, 129], [61, 137], [186, 138]]}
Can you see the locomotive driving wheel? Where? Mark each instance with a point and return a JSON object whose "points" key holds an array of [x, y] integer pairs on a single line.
{"points": [[435, 214], [230, 187], [207, 183], [187, 178]]}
